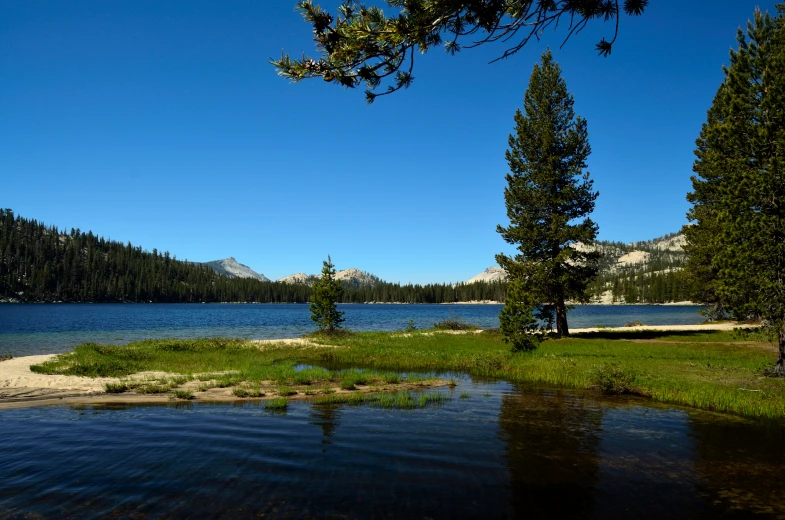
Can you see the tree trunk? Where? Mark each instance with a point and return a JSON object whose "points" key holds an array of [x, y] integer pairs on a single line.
{"points": [[779, 368], [561, 319]]}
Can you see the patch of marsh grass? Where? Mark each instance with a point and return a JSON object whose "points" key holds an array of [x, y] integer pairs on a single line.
{"points": [[398, 400], [115, 388], [276, 404], [391, 378], [183, 394], [284, 390], [350, 379], [153, 388], [239, 391]]}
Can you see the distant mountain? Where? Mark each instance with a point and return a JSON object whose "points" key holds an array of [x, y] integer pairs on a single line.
{"points": [[233, 269], [307, 279], [492, 274], [352, 277], [356, 278]]}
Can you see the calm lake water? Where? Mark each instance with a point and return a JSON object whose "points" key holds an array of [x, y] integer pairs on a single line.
{"points": [[494, 450], [27, 329], [503, 452]]}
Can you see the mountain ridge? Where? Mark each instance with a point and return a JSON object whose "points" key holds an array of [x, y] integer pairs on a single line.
{"points": [[233, 269]]}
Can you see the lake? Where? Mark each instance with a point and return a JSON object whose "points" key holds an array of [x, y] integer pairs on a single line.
{"points": [[494, 450], [28, 329]]}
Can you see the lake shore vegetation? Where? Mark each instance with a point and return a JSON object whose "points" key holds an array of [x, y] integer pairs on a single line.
{"points": [[719, 371]]}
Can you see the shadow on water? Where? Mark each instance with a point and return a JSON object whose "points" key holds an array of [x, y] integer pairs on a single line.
{"points": [[497, 451], [551, 446]]}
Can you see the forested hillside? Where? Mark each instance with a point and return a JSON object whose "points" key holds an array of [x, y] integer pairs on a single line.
{"points": [[40, 263], [641, 272]]}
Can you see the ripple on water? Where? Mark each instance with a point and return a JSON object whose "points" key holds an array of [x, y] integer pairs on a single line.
{"points": [[504, 452]]}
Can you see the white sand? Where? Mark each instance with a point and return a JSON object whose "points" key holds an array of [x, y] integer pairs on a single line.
{"points": [[708, 327], [15, 373]]}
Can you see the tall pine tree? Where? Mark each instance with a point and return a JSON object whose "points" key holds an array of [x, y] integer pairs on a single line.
{"points": [[736, 244], [327, 292], [549, 196]]}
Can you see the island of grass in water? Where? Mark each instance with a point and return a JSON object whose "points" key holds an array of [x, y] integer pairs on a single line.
{"points": [[720, 371]]}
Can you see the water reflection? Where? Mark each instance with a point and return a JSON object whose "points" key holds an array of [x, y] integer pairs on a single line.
{"points": [[552, 444], [504, 452], [741, 468], [325, 416]]}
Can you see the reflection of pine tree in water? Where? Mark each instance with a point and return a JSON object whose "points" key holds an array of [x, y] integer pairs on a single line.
{"points": [[552, 453], [325, 416], [739, 466]]}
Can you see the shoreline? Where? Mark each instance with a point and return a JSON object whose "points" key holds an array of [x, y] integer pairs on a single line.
{"points": [[21, 388]]}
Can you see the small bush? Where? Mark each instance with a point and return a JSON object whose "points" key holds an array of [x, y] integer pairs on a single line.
{"points": [[612, 379], [410, 327], [454, 323], [636, 323]]}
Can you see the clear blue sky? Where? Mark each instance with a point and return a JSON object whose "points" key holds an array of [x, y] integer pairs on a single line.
{"points": [[162, 123]]}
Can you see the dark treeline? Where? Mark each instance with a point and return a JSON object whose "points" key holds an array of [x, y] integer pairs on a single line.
{"points": [[39, 263]]}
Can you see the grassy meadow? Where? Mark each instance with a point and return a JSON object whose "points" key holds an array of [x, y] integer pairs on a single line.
{"points": [[713, 371]]}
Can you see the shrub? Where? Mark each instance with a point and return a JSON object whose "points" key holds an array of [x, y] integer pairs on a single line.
{"points": [[517, 322], [454, 323], [612, 379], [636, 323]]}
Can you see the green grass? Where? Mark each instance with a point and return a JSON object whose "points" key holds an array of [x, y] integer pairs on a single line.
{"points": [[183, 394], [284, 391], [277, 404], [115, 388], [715, 371], [397, 400]]}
